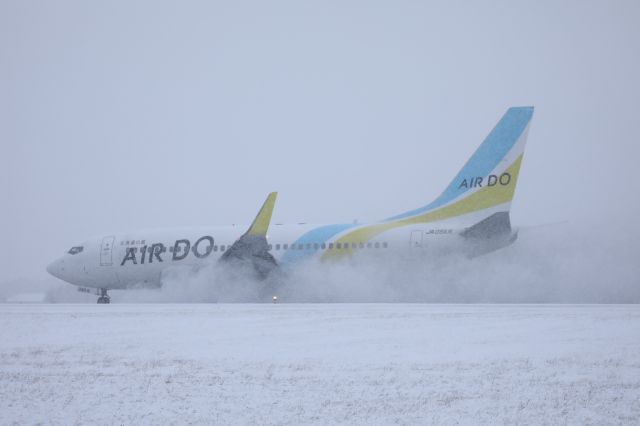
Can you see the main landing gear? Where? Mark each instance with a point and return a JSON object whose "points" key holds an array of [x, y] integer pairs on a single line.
{"points": [[104, 297]]}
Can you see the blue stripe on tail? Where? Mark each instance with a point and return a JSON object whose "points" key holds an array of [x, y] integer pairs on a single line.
{"points": [[494, 148]]}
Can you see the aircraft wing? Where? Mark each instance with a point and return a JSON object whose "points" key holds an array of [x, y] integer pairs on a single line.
{"points": [[252, 247]]}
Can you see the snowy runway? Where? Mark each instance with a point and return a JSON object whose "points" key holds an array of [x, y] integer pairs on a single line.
{"points": [[304, 363]]}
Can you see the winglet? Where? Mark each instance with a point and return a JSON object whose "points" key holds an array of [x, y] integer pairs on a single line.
{"points": [[260, 224]]}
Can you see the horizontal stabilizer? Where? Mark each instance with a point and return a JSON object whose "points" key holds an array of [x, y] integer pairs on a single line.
{"points": [[498, 224]]}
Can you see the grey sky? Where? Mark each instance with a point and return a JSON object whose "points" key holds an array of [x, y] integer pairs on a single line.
{"points": [[125, 115]]}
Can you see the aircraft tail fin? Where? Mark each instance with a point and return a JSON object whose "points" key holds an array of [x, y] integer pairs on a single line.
{"points": [[479, 197], [486, 183]]}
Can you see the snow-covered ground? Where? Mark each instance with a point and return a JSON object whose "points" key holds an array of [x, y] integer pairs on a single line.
{"points": [[334, 363]]}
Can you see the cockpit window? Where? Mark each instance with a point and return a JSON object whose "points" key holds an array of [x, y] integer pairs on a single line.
{"points": [[75, 250]]}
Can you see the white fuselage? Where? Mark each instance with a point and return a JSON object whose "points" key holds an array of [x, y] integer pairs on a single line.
{"points": [[126, 260]]}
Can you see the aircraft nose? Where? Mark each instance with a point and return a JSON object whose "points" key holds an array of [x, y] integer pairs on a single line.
{"points": [[56, 268]]}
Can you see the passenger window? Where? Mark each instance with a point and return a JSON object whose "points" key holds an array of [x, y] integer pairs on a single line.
{"points": [[269, 247], [323, 246], [330, 246], [384, 245], [377, 245], [277, 246], [361, 245], [300, 246], [215, 248], [222, 248], [369, 245], [285, 246], [353, 245], [315, 246], [338, 245]]}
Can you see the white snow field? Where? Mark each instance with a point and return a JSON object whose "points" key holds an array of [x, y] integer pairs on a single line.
{"points": [[324, 364]]}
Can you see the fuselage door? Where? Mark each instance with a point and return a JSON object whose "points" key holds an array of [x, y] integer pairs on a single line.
{"points": [[416, 239], [106, 251]]}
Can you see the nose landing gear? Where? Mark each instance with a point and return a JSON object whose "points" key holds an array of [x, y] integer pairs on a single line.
{"points": [[104, 297]]}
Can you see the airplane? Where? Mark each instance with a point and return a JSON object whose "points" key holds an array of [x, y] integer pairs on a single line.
{"points": [[471, 216]]}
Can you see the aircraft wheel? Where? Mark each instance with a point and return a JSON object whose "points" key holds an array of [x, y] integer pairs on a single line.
{"points": [[104, 297]]}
